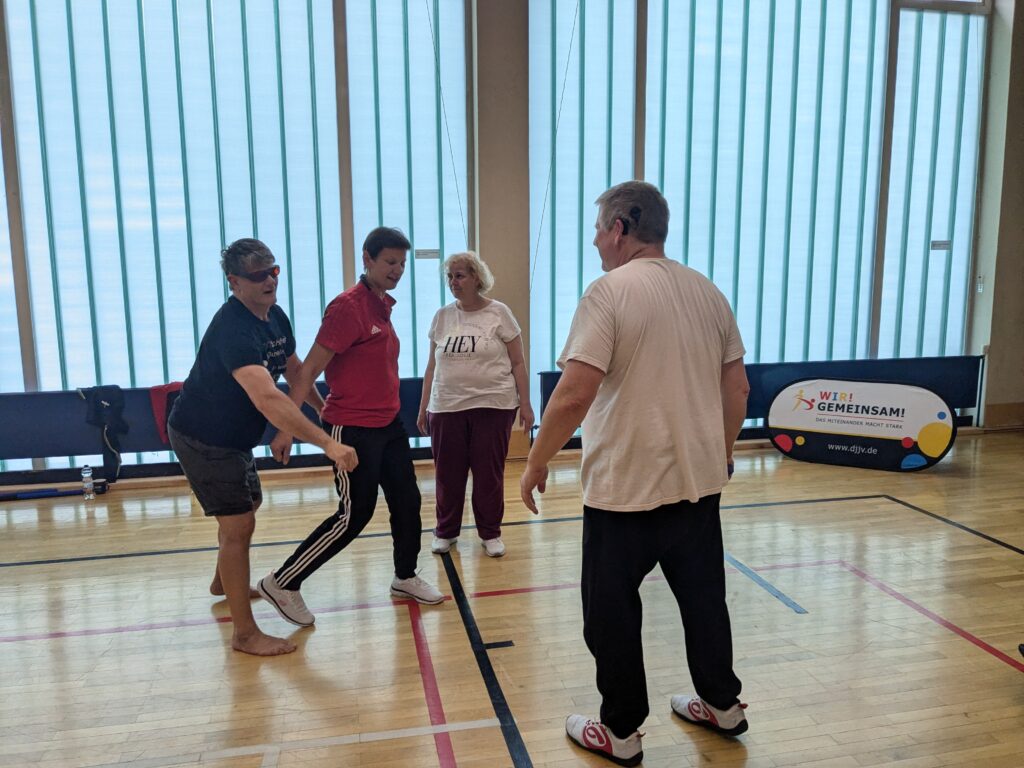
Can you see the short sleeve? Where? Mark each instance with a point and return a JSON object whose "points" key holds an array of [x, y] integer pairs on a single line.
{"points": [[340, 329], [592, 333], [732, 348], [432, 334], [508, 328]]}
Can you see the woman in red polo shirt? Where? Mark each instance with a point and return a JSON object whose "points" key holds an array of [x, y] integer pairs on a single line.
{"points": [[357, 350]]}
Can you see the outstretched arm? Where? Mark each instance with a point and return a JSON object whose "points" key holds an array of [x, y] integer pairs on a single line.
{"points": [[286, 416]]}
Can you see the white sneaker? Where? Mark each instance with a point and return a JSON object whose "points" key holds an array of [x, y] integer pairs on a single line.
{"points": [[417, 589], [439, 546], [493, 547], [693, 709], [594, 737], [288, 602]]}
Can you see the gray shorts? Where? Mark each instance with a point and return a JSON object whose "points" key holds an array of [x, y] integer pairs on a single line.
{"points": [[223, 479]]}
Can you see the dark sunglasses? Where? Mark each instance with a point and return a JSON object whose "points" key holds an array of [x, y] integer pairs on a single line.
{"points": [[261, 275]]}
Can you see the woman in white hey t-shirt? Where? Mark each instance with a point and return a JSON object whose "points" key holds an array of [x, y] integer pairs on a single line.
{"points": [[475, 379]]}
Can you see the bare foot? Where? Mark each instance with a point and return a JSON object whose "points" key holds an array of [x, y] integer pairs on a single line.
{"points": [[259, 644], [217, 590]]}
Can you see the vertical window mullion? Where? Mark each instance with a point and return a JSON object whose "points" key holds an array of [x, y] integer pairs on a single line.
{"points": [[812, 226], [84, 205], [765, 158], [248, 121], [286, 203], [316, 159], [409, 190], [184, 173], [216, 130], [717, 101], [688, 178], [930, 186], [840, 172], [869, 84], [153, 214], [740, 145], [955, 181], [901, 274], [787, 234], [47, 201], [118, 201]]}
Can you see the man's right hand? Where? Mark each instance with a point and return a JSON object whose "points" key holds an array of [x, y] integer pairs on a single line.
{"points": [[343, 456]]}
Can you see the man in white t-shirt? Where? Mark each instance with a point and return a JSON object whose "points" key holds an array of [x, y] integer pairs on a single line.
{"points": [[653, 369]]}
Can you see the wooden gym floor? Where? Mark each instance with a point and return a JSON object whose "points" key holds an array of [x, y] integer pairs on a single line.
{"points": [[876, 619]]}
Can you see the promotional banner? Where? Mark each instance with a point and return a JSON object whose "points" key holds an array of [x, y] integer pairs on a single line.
{"points": [[869, 424]]}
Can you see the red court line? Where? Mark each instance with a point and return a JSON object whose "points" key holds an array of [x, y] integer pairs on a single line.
{"points": [[435, 708], [179, 623], [975, 640], [933, 616]]}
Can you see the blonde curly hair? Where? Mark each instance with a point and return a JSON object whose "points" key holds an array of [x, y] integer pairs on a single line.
{"points": [[477, 266]]}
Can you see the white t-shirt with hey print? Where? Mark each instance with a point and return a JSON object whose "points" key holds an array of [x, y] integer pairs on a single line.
{"points": [[472, 368]]}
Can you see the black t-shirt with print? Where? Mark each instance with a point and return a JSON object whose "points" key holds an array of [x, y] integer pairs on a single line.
{"points": [[214, 408]]}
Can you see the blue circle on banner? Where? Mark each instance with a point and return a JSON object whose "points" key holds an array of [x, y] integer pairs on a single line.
{"points": [[913, 461]]}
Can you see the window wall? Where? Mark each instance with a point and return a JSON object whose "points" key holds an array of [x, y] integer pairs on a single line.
{"points": [[935, 139], [150, 135], [765, 125]]}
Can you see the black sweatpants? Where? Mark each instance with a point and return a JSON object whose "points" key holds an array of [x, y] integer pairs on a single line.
{"points": [[619, 550], [385, 461]]}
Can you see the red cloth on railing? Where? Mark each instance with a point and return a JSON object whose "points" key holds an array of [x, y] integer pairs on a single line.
{"points": [[161, 398]]}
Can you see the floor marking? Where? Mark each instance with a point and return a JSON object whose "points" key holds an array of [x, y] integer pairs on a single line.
{"points": [[272, 752], [509, 729], [435, 708]]}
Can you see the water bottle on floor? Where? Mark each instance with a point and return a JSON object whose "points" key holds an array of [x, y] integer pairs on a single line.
{"points": [[88, 488]]}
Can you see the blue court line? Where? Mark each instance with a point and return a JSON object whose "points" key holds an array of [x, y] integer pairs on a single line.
{"points": [[767, 586]]}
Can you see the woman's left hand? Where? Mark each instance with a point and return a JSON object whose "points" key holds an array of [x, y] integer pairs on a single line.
{"points": [[526, 418]]}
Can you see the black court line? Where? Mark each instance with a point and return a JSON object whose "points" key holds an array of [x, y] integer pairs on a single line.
{"points": [[955, 524], [509, 729], [499, 644], [535, 521]]}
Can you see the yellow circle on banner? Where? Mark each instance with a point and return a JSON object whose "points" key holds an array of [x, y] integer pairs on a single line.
{"points": [[934, 438], [800, 440]]}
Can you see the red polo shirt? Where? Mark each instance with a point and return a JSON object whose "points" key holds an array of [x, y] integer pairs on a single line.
{"points": [[363, 374]]}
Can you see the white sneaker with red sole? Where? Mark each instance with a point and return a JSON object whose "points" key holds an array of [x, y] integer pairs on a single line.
{"points": [[594, 736], [693, 709]]}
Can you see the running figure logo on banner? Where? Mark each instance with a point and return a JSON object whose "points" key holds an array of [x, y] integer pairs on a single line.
{"points": [[869, 424]]}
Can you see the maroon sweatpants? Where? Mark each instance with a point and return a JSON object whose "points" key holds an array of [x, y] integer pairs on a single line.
{"points": [[474, 441]]}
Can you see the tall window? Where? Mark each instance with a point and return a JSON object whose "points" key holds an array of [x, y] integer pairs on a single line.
{"points": [[581, 141], [932, 184], [152, 134], [407, 85], [764, 127]]}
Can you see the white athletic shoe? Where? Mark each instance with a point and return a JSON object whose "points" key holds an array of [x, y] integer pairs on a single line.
{"points": [[595, 737], [288, 602], [693, 709], [439, 546], [493, 547], [417, 589]]}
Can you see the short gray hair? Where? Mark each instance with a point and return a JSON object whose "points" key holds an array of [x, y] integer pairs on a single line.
{"points": [[640, 207], [239, 257], [477, 266]]}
